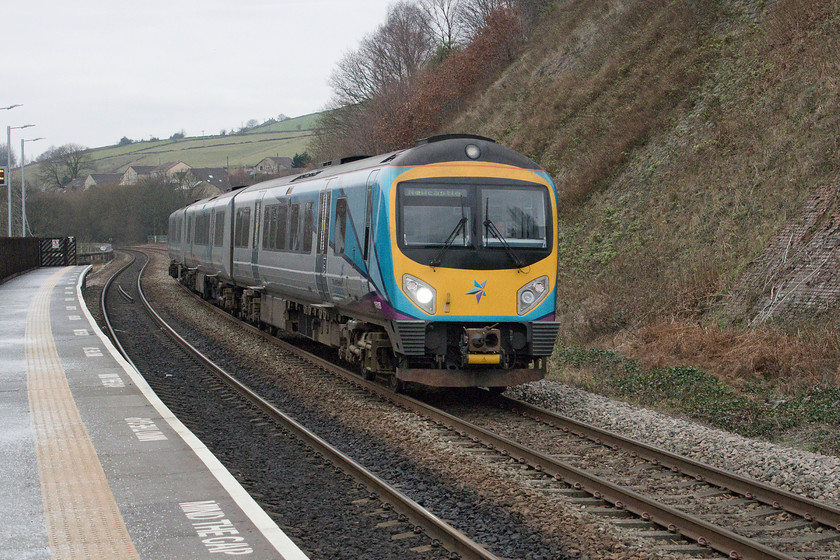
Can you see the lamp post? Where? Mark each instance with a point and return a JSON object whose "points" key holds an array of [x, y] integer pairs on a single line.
{"points": [[23, 185], [9, 160], [9, 169]]}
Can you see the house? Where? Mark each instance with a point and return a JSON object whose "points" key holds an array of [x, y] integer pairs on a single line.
{"points": [[170, 170], [101, 179], [136, 173], [212, 176], [274, 165], [77, 184]]}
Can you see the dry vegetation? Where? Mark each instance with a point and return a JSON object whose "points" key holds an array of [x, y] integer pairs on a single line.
{"points": [[683, 136], [769, 356]]}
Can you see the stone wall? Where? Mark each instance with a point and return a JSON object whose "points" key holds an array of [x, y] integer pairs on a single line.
{"points": [[798, 275]]}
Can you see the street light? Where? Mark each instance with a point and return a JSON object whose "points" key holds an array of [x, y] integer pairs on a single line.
{"points": [[9, 161], [23, 185], [9, 169]]}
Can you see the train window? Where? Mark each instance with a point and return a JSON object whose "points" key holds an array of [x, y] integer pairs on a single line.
{"points": [[269, 226], [340, 225], [518, 215], [282, 227], [308, 225], [243, 227], [294, 227], [435, 216], [189, 229], [202, 229], [198, 226], [219, 232]]}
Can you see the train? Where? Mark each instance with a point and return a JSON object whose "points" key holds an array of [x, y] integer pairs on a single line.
{"points": [[435, 264]]}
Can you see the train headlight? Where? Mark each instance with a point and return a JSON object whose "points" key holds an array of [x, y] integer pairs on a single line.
{"points": [[531, 294], [473, 151], [422, 294]]}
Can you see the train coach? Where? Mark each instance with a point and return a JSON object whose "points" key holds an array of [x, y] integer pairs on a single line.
{"points": [[434, 265]]}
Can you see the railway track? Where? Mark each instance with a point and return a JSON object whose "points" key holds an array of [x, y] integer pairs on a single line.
{"points": [[410, 516], [664, 496], [739, 517]]}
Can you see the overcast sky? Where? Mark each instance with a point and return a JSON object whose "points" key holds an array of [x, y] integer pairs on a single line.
{"points": [[92, 71]]}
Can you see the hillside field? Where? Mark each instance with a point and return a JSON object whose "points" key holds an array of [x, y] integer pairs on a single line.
{"points": [[285, 138]]}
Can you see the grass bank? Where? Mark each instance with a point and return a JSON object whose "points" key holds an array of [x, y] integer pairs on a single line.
{"points": [[803, 417]]}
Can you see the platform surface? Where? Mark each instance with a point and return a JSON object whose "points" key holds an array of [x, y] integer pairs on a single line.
{"points": [[92, 463]]}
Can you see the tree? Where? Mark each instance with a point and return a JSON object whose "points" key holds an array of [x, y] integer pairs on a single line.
{"points": [[4, 154], [394, 53], [125, 141], [301, 160], [180, 135], [476, 13], [61, 165], [372, 86], [446, 20], [126, 214]]}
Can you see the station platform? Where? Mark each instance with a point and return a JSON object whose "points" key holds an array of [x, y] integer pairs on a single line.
{"points": [[92, 463]]}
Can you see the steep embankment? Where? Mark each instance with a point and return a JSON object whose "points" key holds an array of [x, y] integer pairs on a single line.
{"points": [[697, 149], [683, 136]]}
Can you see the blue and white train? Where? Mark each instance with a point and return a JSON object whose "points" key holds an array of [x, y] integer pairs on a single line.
{"points": [[435, 265]]}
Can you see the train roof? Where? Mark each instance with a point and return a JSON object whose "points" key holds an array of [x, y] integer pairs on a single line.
{"points": [[450, 147]]}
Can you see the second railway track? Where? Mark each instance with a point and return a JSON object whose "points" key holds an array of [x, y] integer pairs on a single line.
{"points": [[397, 526], [606, 474]]}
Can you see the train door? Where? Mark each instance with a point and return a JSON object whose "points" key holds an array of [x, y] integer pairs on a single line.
{"points": [[230, 231], [338, 267], [255, 241], [242, 235], [368, 252], [323, 245]]}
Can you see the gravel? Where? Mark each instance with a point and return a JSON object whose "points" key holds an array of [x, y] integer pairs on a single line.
{"points": [[809, 474], [491, 501]]}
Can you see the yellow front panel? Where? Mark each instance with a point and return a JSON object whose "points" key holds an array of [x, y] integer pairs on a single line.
{"points": [[497, 287]]}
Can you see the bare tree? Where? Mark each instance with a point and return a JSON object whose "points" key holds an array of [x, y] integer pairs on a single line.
{"points": [[477, 12], [395, 52], [4, 154], [446, 21], [354, 79], [61, 165]]}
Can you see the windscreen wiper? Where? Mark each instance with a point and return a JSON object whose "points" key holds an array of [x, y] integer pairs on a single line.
{"points": [[491, 227], [461, 228]]}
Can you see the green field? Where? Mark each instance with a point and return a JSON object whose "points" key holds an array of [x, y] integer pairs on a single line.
{"points": [[285, 138]]}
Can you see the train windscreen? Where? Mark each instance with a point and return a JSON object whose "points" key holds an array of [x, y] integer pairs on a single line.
{"points": [[501, 223]]}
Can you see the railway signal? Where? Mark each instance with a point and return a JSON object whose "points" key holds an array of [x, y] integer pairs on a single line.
{"points": [[3, 176]]}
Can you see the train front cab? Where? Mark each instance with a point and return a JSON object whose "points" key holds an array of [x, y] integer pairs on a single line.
{"points": [[474, 257]]}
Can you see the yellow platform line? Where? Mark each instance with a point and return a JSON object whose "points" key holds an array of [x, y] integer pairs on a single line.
{"points": [[82, 517]]}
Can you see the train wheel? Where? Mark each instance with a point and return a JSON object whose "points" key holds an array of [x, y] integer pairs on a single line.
{"points": [[364, 371], [396, 384]]}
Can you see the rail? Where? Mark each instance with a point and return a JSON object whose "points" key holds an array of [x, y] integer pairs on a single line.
{"points": [[691, 527], [449, 537]]}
